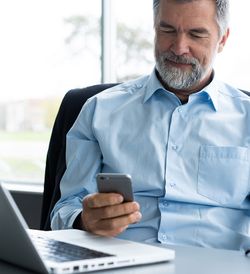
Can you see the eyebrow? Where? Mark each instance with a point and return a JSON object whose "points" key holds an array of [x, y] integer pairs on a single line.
{"points": [[201, 30], [165, 25]]}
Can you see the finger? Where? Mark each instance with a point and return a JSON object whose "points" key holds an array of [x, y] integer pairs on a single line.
{"points": [[118, 222], [115, 210], [111, 233], [102, 199]]}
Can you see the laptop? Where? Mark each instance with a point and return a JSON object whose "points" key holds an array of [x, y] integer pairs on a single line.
{"points": [[67, 251]]}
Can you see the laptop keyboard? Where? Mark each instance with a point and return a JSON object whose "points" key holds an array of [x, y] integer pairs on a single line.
{"points": [[58, 251]]}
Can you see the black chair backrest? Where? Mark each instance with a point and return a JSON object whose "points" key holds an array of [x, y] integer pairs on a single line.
{"points": [[55, 162], [246, 92]]}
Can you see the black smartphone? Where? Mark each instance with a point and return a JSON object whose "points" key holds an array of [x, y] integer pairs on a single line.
{"points": [[117, 183]]}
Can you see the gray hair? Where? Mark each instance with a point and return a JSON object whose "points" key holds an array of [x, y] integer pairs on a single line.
{"points": [[222, 11]]}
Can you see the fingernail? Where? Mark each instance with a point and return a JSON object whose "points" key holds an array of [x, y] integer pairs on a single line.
{"points": [[138, 216], [136, 206], [119, 199]]}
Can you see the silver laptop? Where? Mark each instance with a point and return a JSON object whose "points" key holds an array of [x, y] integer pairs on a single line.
{"points": [[67, 251]]}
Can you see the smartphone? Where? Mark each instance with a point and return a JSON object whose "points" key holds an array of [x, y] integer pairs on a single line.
{"points": [[117, 183]]}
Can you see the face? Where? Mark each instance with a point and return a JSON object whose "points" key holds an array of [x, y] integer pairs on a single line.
{"points": [[186, 42]]}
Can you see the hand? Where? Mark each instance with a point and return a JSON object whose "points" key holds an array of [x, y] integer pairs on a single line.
{"points": [[105, 214]]}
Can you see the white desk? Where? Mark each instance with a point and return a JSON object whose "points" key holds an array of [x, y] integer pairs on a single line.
{"points": [[189, 260]]}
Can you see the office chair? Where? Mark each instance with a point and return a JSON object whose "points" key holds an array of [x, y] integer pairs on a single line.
{"points": [[55, 162]]}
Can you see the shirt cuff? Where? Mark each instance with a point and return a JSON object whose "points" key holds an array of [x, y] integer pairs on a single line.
{"points": [[64, 220]]}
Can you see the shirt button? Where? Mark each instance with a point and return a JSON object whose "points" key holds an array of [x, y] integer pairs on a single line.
{"points": [[138, 85], [174, 147], [179, 110], [165, 203], [172, 184], [163, 237]]}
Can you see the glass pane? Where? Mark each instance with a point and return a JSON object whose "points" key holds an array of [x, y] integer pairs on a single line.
{"points": [[47, 47], [232, 64], [134, 38]]}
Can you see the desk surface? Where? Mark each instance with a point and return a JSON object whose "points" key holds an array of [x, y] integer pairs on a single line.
{"points": [[189, 260]]}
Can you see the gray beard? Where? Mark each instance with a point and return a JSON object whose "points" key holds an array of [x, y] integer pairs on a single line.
{"points": [[175, 77]]}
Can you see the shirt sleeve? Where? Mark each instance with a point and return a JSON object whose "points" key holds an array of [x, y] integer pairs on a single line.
{"points": [[83, 162]]}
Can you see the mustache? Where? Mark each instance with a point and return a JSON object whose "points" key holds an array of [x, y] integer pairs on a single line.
{"points": [[169, 56]]}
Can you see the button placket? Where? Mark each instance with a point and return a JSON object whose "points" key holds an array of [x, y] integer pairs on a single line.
{"points": [[174, 146]]}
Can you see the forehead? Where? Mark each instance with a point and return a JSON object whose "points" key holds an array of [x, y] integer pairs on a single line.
{"points": [[188, 14]]}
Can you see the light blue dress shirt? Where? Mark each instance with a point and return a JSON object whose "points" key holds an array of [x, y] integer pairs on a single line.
{"points": [[189, 162]]}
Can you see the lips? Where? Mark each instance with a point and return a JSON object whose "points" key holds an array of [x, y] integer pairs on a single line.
{"points": [[178, 63]]}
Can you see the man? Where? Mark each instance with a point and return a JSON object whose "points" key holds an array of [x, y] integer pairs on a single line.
{"points": [[180, 133]]}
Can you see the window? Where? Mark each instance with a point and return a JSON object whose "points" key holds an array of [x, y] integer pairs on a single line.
{"points": [[232, 64], [134, 38], [47, 47], [51, 46]]}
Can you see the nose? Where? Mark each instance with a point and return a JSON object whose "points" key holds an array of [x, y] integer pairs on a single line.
{"points": [[180, 45]]}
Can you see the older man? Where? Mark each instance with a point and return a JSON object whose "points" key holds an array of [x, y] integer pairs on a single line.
{"points": [[180, 133]]}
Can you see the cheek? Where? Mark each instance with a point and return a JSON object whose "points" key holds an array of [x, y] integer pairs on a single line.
{"points": [[206, 55], [209, 57], [161, 43]]}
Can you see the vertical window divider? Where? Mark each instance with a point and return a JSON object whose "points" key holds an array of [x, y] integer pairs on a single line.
{"points": [[108, 41]]}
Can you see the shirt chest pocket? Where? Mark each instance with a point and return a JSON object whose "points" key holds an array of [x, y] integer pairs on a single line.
{"points": [[223, 174]]}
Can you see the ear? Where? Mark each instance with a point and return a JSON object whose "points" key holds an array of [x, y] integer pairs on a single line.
{"points": [[223, 40]]}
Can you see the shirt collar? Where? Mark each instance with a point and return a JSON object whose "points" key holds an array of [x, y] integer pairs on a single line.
{"points": [[211, 90], [153, 84]]}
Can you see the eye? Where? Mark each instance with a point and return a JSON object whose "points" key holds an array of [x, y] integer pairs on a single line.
{"points": [[198, 34], [167, 30], [194, 35]]}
